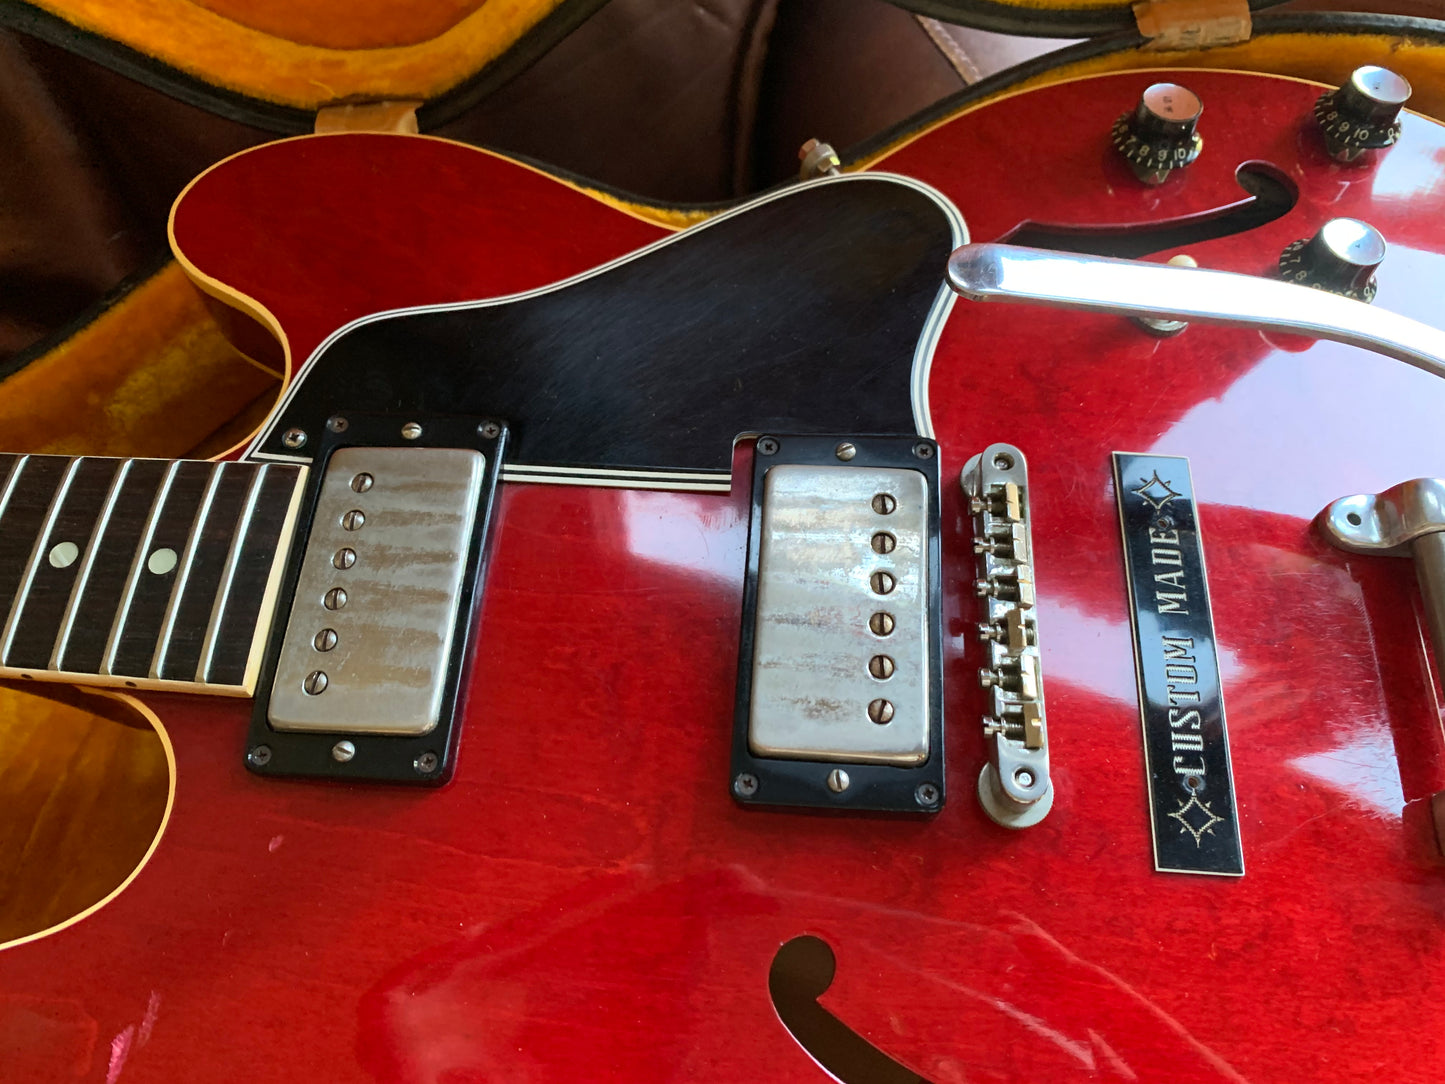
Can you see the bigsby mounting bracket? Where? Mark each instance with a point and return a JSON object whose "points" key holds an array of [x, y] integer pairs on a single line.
{"points": [[840, 685]]}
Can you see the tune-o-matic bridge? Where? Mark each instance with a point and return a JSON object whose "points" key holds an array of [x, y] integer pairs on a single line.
{"points": [[839, 698], [1014, 787]]}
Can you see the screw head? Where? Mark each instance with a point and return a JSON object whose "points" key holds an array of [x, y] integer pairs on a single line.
{"points": [[335, 598], [845, 451], [881, 667], [362, 482], [426, 763], [324, 640], [838, 781], [883, 542], [1024, 778], [745, 785], [885, 503], [923, 449], [343, 558], [354, 519], [259, 756], [882, 582], [767, 446], [489, 430], [315, 683], [880, 711], [926, 794], [410, 431], [294, 438], [881, 624], [337, 424], [342, 751]]}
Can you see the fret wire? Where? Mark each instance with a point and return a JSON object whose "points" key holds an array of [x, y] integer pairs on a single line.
{"points": [[12, 482], [67, 622], [228, 577], [112, 642], [36, 552], [173, 604]]}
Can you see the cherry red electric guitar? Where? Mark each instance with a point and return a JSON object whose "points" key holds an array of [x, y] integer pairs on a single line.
{"points": [[529, 856]]}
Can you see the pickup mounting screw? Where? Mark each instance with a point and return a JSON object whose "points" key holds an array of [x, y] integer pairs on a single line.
{"points": [[880, 711], [426, 763], [336, 423], [259, 756], [410, 431], [926, 794], [342, 751], [923, 450], [294, 438], [838, 781], [489, 430], [767, 446], [845, 451], [745, 785]]}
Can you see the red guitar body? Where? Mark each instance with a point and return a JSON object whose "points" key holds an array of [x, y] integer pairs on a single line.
{"points": [[584, 901]]}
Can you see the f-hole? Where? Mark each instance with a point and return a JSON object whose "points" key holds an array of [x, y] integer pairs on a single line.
{"points": [[801, 973], [1271, 195]]}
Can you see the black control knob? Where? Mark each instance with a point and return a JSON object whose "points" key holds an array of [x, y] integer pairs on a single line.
{"points": [[1159, 136], [1340, 258], [1364, 114]]}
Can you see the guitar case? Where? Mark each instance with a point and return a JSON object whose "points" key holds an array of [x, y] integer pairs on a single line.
{"points": [[129, 360]]}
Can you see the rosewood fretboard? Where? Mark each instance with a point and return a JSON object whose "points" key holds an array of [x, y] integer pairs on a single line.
{"points": [[140, 572]]}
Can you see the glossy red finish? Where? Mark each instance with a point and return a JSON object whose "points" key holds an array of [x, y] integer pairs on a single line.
{"points": [[585, 902]]}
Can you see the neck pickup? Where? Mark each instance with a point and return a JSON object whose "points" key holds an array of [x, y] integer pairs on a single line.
{"points": [[141, 573]]}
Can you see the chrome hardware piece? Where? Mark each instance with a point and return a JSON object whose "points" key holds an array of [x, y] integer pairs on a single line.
{"points": [[1407, 520], [817, 159], [840, 672], [1159, 136], [385, 619], [817, 663], [1341, 258], [1014, 787], [984, 272], [1363, 115]]}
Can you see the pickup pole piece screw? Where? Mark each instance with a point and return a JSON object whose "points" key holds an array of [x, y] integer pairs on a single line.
{"points": [[838, 781], [884, 504], [315, 683], [336, 423], [882, 582], [880, 711], [767, 446], [881, 667], [362, 482], [881, 623], [489, 430], [745, 785], [335, 598], [354, 519], [325, 640], [294, 438], [344, 558], [883, 542], [426, 763], [342, 751]]}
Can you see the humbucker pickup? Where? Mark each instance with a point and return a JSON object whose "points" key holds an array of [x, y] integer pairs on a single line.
{"points": [[839, 700], [1014, 787], [363, 672]]}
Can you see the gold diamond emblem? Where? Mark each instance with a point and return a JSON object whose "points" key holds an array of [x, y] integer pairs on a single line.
{"points": [[1156, 491], [1197, 823]]}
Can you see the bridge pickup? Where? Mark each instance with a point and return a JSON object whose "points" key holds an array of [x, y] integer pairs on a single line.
{"points": [[839, 694], [362, 678], [1014, 787]]}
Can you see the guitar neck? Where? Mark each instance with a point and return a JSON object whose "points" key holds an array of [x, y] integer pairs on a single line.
{"points": [[141, 573]]}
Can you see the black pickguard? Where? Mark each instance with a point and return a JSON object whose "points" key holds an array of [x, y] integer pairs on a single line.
{"points": [[799, 314]]}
